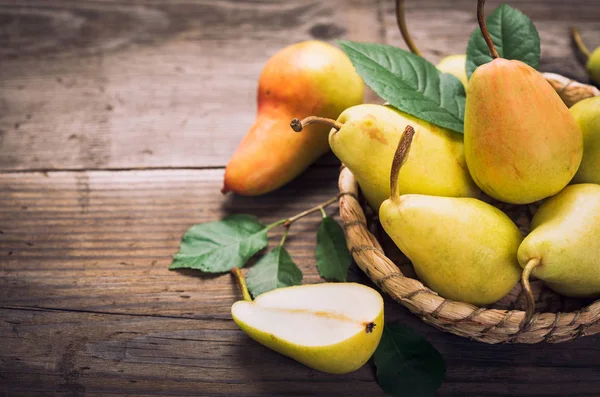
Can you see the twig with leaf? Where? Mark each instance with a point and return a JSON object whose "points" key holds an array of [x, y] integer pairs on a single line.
{"points": [[219, 247]]}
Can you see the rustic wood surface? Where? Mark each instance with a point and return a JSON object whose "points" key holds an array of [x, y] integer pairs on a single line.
{"points": [[116, 120]]}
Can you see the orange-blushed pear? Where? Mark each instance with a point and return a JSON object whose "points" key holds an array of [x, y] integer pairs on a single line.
{"points": [[521, 142], [307, 78]]}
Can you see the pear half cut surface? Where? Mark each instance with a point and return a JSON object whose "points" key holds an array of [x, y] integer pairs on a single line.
{"points": [[331, 327]]}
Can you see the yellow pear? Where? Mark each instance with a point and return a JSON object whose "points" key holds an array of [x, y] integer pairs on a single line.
{"points": [[593, 66], [587, 115], [521, 142], [330, 327], [462, 248], [455, 65], [592, 63], [365, 138], [563, 248]]}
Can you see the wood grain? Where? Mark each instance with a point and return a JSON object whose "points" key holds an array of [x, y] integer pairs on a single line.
{"points": [[129, 84], [98, 87], [80, 240], [442, 28], [81, 354], [87, 305]]}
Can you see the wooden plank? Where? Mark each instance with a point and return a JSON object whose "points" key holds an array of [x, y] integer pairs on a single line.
{"points": [[103, 241], [129, 84], [441, 28], [87, 305], [94, 354], [90, 353]]}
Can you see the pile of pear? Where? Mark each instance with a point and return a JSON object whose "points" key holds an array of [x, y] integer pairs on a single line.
{"points": [[521, 145]]}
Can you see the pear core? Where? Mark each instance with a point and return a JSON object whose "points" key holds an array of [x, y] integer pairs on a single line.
{"points": [[312, 315]]}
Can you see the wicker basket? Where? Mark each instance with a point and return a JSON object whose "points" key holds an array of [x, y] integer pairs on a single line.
{"points": [[562, 320]]}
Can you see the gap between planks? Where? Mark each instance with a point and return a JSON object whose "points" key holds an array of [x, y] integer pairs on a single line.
{"points": [[126, 169], [108, 313]]}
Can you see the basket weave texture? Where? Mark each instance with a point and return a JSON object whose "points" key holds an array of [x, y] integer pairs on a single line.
{"points": [[489, 325]]}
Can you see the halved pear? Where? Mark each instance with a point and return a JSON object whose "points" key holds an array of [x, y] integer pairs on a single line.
{"points": [[331, 327]]}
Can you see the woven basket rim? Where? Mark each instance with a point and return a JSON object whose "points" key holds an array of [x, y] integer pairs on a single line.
{"points": [[459, 318]]}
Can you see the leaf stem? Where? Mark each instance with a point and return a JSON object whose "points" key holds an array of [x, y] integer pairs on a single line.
{"points": [[484, 30], [242, 283], [401, 21], [530, 308], [399, 159], [323, 213], [579, 43], [298, 125], [276, 223], [287, 222], [285, 234]]}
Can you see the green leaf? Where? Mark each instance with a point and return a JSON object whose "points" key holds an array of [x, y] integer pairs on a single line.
{"points": [[333, 257], [513, 34], [407, 364], [218, 247], [409, 83], [274, 270]]}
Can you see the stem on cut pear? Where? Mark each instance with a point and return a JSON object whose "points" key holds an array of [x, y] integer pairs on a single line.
{"points": [[401, 21], [298, 125], [484, 30], [320, 207], [579, 43], [242, 283], [530, 307], [399, 159]]}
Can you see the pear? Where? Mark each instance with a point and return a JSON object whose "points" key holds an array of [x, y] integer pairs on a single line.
{"points": [[310, 77], [455, 65], [330, 327], [593, 66], [521, 142], [587, 115], [563, 248], [592, 59], [365, 138], [462, 248]]}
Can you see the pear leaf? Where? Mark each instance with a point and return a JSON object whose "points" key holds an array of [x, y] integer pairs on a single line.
{"points": [[514, 36], [409, 83], [333, 257], [217, 247], [274, 270], [407, 364]]}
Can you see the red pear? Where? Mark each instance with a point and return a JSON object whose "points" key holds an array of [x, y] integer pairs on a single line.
{"points": [[521, 142], [304, 79]]}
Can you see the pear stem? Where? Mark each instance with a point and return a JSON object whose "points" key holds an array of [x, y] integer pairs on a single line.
{"points": [[530, 307], [242, 283], [401, 21], [316, 208], [579, 43], [484, 30], [298, 125], [399, 159]]}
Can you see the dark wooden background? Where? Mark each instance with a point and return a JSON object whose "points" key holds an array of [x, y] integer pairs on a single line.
{"points": [[116, 121]]}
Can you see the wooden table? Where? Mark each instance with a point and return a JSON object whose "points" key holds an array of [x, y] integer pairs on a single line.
{"points": [[116, 120]]}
